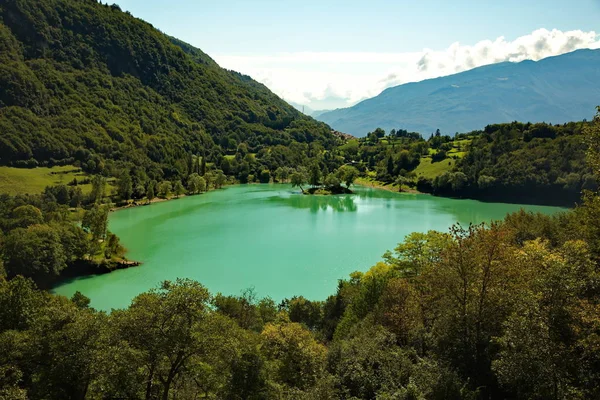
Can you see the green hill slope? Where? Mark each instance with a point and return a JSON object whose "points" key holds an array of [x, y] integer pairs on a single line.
{"points": [[88, 84]]}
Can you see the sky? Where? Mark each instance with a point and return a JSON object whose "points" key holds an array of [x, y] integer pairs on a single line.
{"points": [[327, 54]]}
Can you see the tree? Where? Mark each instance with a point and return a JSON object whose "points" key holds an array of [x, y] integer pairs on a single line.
{"points": [[95, 221], [35, 252], [178, 189], [390, 166], [347, 174], [458, 181], [298, 358], [24, 216], [203, 166], [298, 179], [172, 333], [371, 366], [70, 339], [485, 181], [210, 179], [76, 197], [244, 171], [150, 192], [226, 166], [440, 155], [592, 133], [305, 312], [124, 185], [264, 176], [331, 181], [164, 189], [418, 252], [538, 356], [282, 174], [80, 300], [220, 179], [401, 181], [113, 245], [474, 278], [74, 240], [193, 183], [98, 189], [314, 177]]}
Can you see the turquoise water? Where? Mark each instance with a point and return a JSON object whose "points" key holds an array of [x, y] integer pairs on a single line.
{"points": [[271, 238]]}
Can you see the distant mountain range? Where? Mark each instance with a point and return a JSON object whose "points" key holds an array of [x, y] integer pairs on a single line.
{"points": [[555, 90]]}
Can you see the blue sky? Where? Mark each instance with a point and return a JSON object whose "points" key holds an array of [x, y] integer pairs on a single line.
{"points": [[281, 41]]}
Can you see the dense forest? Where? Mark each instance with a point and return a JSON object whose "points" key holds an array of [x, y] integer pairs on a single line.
{"points": [[524, 162], [516, 162], [89, 85], [505, 310]]}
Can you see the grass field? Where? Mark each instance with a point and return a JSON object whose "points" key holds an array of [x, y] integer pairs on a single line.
{"points": [[24, 180], [459, 148], [430, 170]]}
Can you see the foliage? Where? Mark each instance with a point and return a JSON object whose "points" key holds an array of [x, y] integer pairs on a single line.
{"points": [[35, 251], [507, 310], [89, 85], [526, 162]]}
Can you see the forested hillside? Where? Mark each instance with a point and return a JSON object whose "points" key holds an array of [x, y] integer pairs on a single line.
{"points": [[520, 162], [515, 162], [87, 84]]}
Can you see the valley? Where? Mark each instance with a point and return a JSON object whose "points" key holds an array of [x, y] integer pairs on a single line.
{"points": [[173, 230]]}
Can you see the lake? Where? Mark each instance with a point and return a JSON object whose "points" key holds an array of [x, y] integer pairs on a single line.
{"points": [[271, 238]]}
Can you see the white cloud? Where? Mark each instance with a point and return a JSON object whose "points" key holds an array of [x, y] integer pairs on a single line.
{"points": [[329, 80]]}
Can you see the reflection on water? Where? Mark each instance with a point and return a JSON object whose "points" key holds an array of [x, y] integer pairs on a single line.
{"points": [[341, 202], [317, 203]]}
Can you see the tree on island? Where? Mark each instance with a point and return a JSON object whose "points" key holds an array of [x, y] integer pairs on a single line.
{"points": [[332, 181], [314, 175], [347, 174], [298, 179]]}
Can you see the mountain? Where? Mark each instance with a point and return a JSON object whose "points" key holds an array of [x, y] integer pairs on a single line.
{"points": [[317, 113], [84, 83], [555, 90]]}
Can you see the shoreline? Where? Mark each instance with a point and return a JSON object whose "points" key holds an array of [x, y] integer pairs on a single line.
{"points": [[360, 182], [389, 188], [134, 203]]}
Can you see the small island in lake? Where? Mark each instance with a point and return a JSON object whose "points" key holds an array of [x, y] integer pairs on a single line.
{"points": [[323, 182], [328, 190]]}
